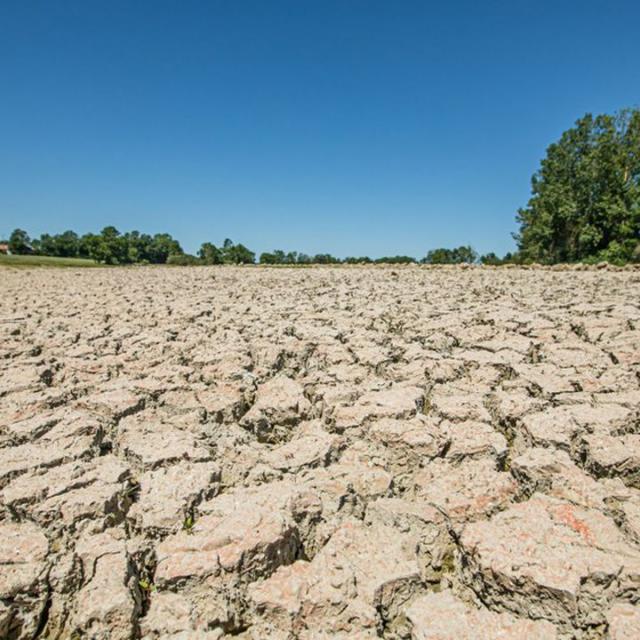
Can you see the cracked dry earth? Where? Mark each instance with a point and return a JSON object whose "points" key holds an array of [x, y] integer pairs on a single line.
{"points": [[319, 453]]}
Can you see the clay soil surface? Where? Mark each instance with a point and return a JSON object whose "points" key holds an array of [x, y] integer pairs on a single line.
{"points": [[347, 453]]}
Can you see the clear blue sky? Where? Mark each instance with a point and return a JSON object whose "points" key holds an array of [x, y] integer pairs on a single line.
{"points": [[346, 126]]}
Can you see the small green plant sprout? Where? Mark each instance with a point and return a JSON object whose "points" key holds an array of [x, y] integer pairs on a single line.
{"points": [[133, 490], [188, 524], [147, 586]]}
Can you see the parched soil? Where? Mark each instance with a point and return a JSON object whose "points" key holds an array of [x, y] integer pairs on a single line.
{"points": [[345, 453]]}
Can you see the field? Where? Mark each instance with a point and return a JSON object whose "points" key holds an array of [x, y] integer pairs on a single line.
{"points": [[44, 261], [319, 453]]}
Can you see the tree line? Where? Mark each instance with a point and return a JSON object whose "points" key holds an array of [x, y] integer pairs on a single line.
{"points": [[584, 206], [115, 248], [108, 247]]}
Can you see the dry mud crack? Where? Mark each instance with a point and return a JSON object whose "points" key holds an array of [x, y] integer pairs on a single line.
{"points": [[319, 453]]}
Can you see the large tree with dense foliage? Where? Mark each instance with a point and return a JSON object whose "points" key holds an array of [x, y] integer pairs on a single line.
{"points": [[63, 245], [585, 199], [162, 246], [236, 253], [210, 254], [19, 242]]}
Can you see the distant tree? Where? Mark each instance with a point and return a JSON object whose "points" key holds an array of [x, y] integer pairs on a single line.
{"points": [[490, 259], [465, 254], [67, 244], [87, 246], [108, 247], [513, 258], [226, 251], [236, 253], [138, 247], [585, 199], [278, 257], [459, 255], [267, 257], [242, 255], [162, 246], [63, 245], [396, 260], [44, 245], [113, 247], [355, 260], [210, 254], [325, 258], [439, 256], [19, 242]]}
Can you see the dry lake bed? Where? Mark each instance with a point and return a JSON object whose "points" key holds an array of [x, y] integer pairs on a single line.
{"points": [[346, 453]]}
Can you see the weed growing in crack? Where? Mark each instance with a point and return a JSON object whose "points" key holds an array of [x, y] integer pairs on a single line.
{"points": [[188, 524], [147, 586]]}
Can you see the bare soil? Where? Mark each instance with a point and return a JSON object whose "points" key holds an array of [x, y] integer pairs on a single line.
{"points": [[320, 453]]}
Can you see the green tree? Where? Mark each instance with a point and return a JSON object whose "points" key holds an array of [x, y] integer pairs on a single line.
{"points": [[66, 244], [241, 255], [277, 256], [396, 260], [439, 256], [585, 200], [209, 253], [162, 246], [138, 247], [112, 248], [490, 258], [267, 257], [236, 253], [62, 245], [325, 258], [357, 260], [45, 245], [19, 242], [464, 254], [459, 255], [91, 247]]}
